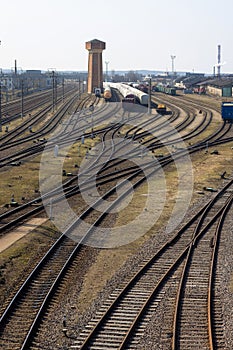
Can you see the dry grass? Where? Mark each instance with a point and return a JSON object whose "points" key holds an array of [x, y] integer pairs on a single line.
{"points": [[106, 264], [20, 181], [23, 181], [17, 122]]}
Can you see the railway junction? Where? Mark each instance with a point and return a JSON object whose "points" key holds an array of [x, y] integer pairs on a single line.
{"points": [[128, 219]]}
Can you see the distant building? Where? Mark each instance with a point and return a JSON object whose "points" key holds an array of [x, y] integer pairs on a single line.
{"points": [[33, 72], [220, 87], [214, 86]]}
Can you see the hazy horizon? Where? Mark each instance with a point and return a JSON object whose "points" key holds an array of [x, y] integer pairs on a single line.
{"points": [[139, 36]]}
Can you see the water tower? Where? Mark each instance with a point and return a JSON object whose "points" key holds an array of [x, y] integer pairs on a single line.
{"points": [[95, 65]]}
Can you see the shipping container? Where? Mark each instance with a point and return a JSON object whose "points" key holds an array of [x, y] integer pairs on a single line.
{"points": [[227, 91], [227, 111]]}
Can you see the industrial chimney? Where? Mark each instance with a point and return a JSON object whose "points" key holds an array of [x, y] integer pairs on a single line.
{"points": [[15, 67], [219, 60]]}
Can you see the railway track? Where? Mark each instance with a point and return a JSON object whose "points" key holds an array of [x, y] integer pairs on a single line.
{"points": [[149, 143], [37, 290], [109, 163], [194, 322], [12, 152], [13, 135], [13, 110], [186, 263], [131, 133], [152, 146]]}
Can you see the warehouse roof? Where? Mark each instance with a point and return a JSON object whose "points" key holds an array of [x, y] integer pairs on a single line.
{"points": [[218, 82]]}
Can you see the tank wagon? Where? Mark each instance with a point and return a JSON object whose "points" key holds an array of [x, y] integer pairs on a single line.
{"points": [[128, 92], [227, 111], [107, 91]]}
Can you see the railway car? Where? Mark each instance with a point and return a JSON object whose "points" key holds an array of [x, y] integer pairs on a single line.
{"points": [[143, 98], [171, 91], [107, 92], [97, 92], [188, 91], [128, 104], [154, 88], [161, 108], [227, 111], [143, 87], [201, 90], [165, 89], [126, 90], [131, 97]]}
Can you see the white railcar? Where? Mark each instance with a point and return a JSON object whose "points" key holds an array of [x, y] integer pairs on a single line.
{"points": [[126, 90]]}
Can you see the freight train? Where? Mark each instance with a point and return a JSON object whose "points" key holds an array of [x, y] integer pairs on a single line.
{"points": [[165, 89]]}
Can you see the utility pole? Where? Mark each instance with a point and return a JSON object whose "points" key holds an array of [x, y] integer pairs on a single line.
{"points": [[173, 58], [53, 95], [219, 60], [52, 75], [79, 87], [106, 62], [22, 102], [63, 83], [149, 97], [1, 100], [0, 105], [55, 81]]}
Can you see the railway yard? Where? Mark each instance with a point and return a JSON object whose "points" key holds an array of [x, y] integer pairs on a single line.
{"points": [[125, 219]]}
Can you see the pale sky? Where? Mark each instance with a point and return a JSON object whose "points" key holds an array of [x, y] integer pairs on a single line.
{"points": [[47, 34]]}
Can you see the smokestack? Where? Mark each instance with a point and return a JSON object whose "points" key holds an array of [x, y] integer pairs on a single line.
{"points": [[15, 67], [214, 71], [219, 59]]}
